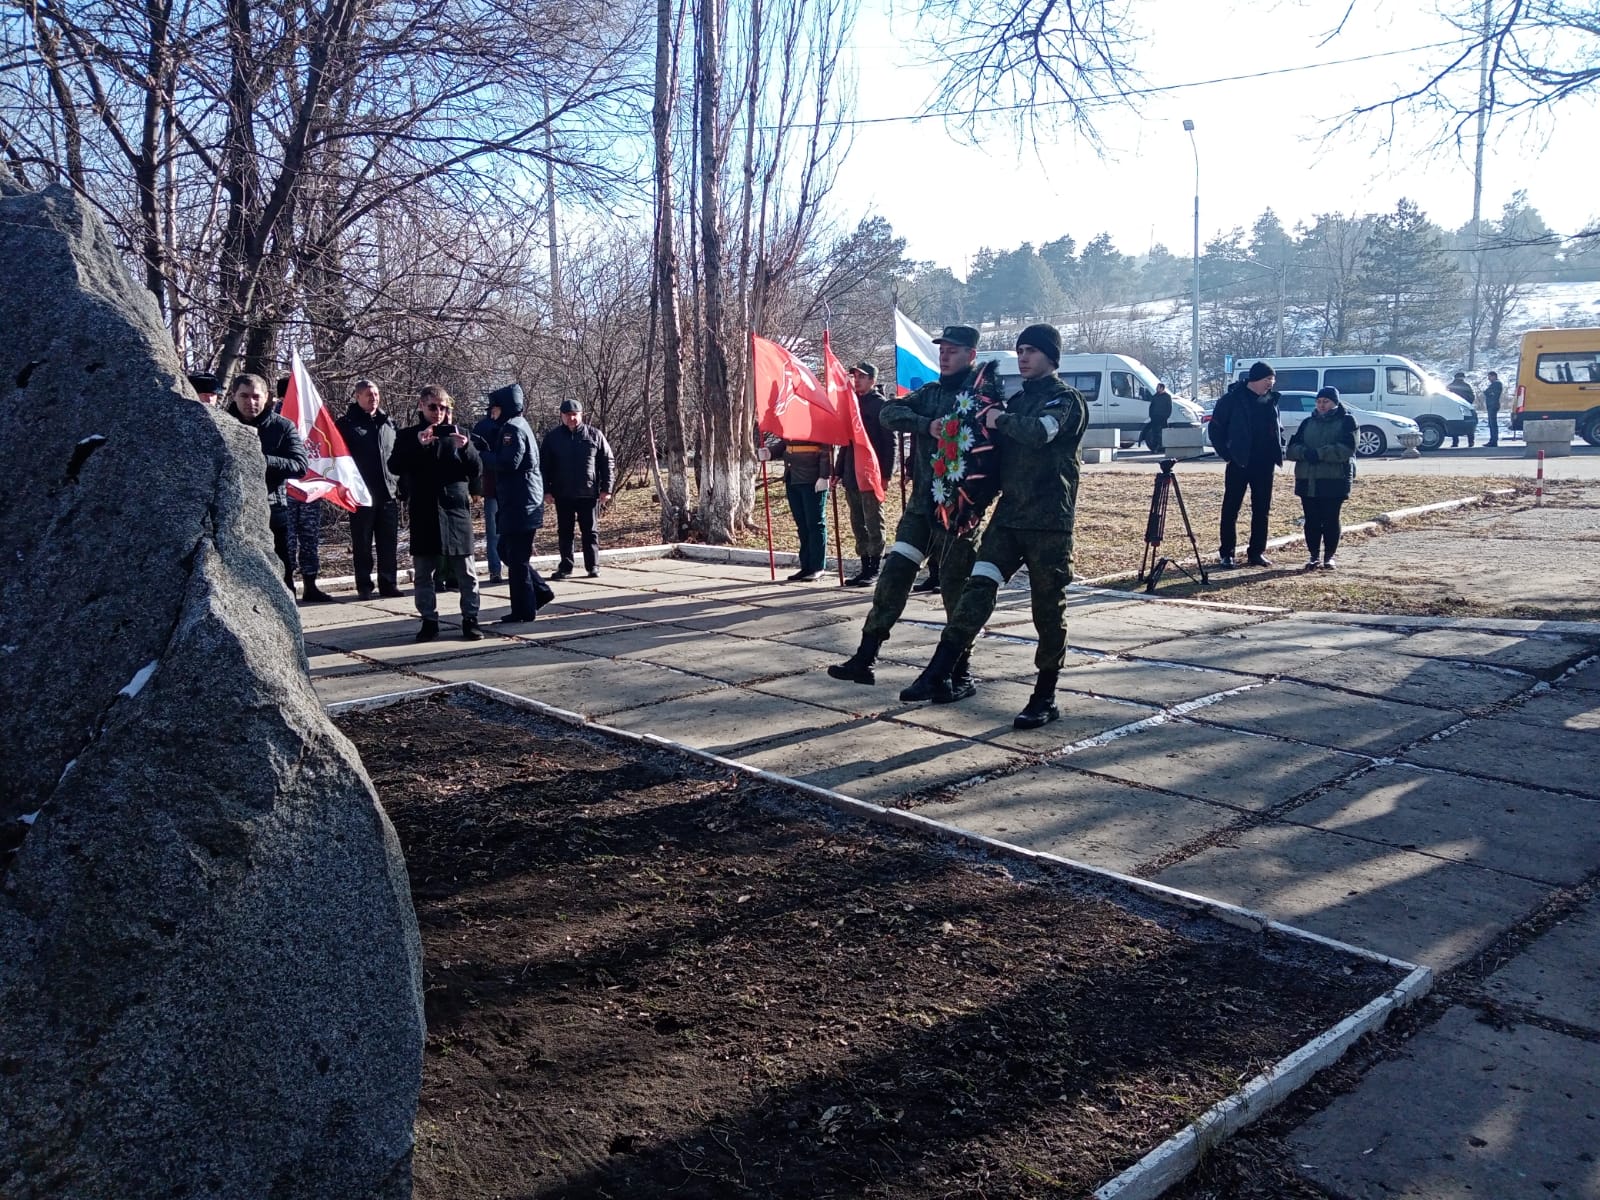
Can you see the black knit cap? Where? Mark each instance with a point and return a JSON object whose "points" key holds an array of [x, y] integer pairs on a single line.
{"points": [[1044, 338], [1259, 371]]}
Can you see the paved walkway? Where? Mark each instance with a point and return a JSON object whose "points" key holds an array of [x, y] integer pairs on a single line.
{"points": [[1420, 786]]}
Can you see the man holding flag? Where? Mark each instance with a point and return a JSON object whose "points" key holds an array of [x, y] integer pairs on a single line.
{"points": [[332, 475], [958, 388], [866, 506]]}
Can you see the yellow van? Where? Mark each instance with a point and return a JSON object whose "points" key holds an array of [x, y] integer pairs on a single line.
{"points": [[1559, 378]]}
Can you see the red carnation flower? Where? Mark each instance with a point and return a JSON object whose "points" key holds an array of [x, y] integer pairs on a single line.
{"points": [[940, 467]]}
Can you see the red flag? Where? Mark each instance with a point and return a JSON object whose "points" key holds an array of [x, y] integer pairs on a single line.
{"points": [[790, 401], [332, 475], [869, 476]]}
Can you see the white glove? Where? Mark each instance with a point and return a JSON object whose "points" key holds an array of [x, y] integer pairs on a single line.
{"points": [[763, 455], [823, 484]]}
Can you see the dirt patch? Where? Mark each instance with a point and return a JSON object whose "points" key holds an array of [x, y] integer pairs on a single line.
{"points": [[646, 976]]}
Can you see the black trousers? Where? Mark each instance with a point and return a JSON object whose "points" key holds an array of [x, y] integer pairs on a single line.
{"points": [[581, 512], [1322, 524], [378, 523], [1234, 483], [1494, 425], [1150, 435], [279, 518]]}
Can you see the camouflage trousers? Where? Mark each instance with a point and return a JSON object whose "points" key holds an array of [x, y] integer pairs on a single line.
{"points": [[915, 537], [1047, 554], [305, 535]]}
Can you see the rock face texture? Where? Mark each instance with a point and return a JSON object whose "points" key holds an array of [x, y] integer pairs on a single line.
{"points": [[210, 977]]}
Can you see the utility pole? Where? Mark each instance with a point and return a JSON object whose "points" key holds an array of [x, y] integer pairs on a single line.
{"points": [[1194, 316], [1477, 188]]}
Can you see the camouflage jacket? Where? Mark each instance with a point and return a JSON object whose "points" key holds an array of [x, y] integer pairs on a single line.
{"points": [[912, 414], [1039, 435]]}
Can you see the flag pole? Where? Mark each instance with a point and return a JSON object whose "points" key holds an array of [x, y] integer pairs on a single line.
{"points": [[838, 542], [766, 495]]}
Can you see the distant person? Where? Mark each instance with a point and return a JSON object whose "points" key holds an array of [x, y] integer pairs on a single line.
{"points": [[1160, 413], [205, 388], [1244, 432], [1491, 405], [866, 510], [1462, 388], [441, 466], [1321, 450], [285, 453], [578, 467], [486, 436], [369, 434], [807, 477], [519, 490], [304, 532]]}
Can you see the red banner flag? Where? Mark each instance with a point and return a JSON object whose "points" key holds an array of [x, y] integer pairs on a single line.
{"points": [[869, 476], [332, 475]]}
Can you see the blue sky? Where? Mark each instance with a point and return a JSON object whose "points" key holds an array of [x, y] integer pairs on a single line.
{"points": [[1262, 142]]}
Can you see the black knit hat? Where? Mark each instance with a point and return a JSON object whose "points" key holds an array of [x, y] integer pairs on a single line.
{"points": [[1331, 392], [1044, 338], [1259, 371]]}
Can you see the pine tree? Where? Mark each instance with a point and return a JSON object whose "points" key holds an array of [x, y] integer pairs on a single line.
{"points": [[1413, 290]]}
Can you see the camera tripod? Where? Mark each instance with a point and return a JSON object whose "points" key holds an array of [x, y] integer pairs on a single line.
{"points": [[1152, 564]]}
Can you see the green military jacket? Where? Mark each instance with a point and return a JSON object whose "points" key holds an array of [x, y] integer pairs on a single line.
{"points": [[912, 414], [1333, 437], [1039, 437]]}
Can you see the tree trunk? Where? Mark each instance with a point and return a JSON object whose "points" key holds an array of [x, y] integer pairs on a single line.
{"points": [[719, 478], [675, 494]]}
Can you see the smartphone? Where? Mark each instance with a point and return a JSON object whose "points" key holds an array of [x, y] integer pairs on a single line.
{"points": [[440, 432]]}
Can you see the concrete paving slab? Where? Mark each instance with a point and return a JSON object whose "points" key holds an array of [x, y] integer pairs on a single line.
{"points": [[1516, 751], [662, 609], [987, 717], [876, 761], [1230, 652], [1083, 817], [1238, 769], [1546, 657], [1413, 906], [594, 686], [757, 621], [853, 699], [1468, 1110], [1120, 628], [391, 640], [911, 643], [1364, 725], [1316, 635], [730, 721], [732, 660], [1558, 976], [330, 662], [558, 623], [1157, 683], [1560, 708], [1413, 680], [331, 689], [1530, 833], [1001, 656]]}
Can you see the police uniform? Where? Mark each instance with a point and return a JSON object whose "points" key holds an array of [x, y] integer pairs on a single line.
{"points": [[920, 531], [1040, 436]]}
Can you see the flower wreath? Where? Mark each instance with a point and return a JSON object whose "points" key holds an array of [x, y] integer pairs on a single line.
{"points": [[966, 474]]}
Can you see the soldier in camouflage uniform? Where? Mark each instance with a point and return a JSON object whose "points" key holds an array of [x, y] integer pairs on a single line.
{"points": [[920, 530], [1040, 433]]}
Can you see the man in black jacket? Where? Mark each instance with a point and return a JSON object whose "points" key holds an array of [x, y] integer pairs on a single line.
{"points": [[1244, 432], [519, 489], [866, 510], [1160, 414], [1460, 387], [577, 465], [1491, 405], [369, 436], [441, 469], [284, 451]]}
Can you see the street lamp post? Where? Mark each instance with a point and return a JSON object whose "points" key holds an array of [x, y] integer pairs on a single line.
{"points": [[1194, 327]]}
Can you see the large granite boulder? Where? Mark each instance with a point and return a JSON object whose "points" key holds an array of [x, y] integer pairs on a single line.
{"points": [[210, 976]]}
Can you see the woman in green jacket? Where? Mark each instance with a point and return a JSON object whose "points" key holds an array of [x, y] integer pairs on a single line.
{"points": [[1323, 450]]}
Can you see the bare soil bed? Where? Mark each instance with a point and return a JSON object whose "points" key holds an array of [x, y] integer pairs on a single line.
{"points": [[647, 976]]}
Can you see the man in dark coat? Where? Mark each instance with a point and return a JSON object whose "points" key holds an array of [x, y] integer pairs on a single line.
{"points": [[866, 510], [1244, 432], [1160, 414], [577, 464], [284, 451], [1460, 387], [1492, 392], [486, 436], [1040, 433], [519, 490], [369, 435], [441, 468]]}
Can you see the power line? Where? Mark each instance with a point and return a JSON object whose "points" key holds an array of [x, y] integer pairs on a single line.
{"points": [[1100, 101]]}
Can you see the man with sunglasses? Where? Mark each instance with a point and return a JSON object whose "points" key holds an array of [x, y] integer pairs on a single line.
{"points": [[441, 468]]}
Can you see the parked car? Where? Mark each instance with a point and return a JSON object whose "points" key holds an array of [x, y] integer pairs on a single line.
{"points": [[1376, 432]]}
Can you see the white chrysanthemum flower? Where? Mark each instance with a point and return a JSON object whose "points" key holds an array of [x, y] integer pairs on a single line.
{"points": [[964, 439], [958, 468], [940, 492], [965, 403]]}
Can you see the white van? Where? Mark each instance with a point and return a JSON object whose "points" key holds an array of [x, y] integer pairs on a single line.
{"points": [[1386, 382], [1118, 389]]}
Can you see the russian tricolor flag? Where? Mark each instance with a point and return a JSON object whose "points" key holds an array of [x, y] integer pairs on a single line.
{"points": [[916, 358]]}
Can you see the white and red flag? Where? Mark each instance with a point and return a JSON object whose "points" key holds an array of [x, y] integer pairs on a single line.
{"points": [[332, 475], [792, 403]]}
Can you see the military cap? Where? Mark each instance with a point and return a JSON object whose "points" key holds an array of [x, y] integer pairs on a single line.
{"points": [[870, 370], [959, 335]]}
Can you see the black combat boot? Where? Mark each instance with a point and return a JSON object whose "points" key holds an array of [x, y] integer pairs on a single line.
{"points": [[962, 684], [858, 667], [313, 594], [935, 678], [868, 575], [429, 631], [470, 631], [288, 579], [1041, 707]]}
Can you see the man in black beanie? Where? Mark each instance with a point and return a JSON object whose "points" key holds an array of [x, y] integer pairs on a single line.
{"points": [[1244, 432], [1040, 433]]}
